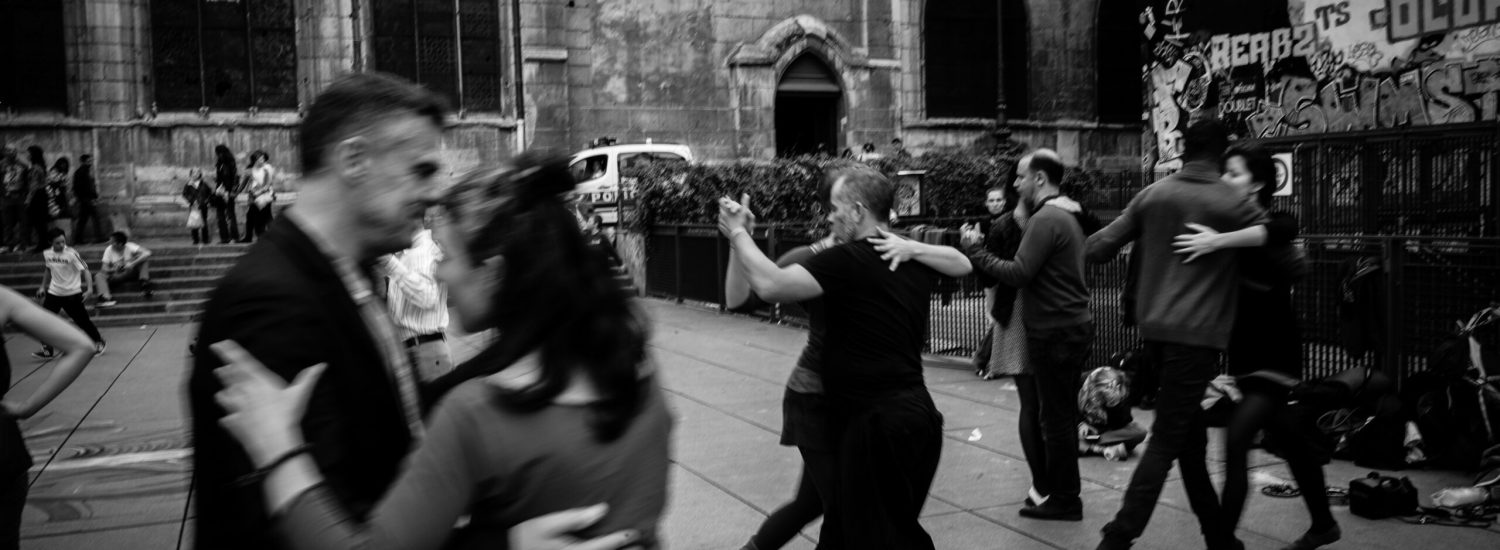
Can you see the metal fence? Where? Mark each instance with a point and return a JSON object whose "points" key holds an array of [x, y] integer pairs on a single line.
{"points": [[1425, 285]]}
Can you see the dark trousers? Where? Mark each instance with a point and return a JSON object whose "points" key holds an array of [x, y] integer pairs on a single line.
{"points": [[1049, 408], [257, 219], [888, 455], [1257, 411], [12, 502], [818, 469], [13, 222], [87, 212], [200, 235], [73, 306], [229, 222], [1179, 434]]}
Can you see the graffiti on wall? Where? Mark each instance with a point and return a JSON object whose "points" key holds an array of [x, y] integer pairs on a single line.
{"points": [[1326, 66]]}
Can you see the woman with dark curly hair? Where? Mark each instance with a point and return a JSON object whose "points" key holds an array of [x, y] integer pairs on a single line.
{"points": [[562, 411]]}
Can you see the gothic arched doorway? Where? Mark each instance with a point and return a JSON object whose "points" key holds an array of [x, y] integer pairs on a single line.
{"points": [[807, 109]]}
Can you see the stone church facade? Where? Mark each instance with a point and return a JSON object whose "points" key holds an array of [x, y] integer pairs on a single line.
{"points": [[149, 87]]}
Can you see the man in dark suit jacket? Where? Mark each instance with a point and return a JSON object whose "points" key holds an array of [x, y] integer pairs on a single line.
{"points": [[370, 161]]}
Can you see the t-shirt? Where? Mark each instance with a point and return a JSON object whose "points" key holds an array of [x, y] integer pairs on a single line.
{"points": [[876, 320], [114, 260], [67, 269], [806, 378]]}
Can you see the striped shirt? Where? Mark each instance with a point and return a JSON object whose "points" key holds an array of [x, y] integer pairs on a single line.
{"points": [[419, 304]]}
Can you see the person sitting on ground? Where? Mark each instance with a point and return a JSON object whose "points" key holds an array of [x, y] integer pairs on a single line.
{"points": [[563, 411], [124, 262]]}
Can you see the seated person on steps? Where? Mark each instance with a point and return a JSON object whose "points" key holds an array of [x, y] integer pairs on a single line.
{"points": [[124, 262]]}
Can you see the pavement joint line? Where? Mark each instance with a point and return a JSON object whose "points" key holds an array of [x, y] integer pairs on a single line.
{"points": [[716, 408], [99, 529], [711, 362], [732, 494], [82, 418]]}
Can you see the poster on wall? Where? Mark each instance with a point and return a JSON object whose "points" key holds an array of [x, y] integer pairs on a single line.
{"points": [[1284, 173], [1272, 68]]}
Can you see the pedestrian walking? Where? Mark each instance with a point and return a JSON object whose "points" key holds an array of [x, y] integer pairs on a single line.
{"points": [[85, 193], [197, 195], [1002, 351], [419, 303], [562, 411], [15, 458], [226, 192], [1185, 312], [15, 187], [260, 188], [59, 205], [38, 218], [1265, 349], [885, 428], [1048, 268], [65, 285]]}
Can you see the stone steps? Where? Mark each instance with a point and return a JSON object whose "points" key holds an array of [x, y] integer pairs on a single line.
{"points": [[184, 275]]}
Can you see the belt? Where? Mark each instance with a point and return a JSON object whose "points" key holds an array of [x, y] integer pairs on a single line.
{"points": [[423, 339]]}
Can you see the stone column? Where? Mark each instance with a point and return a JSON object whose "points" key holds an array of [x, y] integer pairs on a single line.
{"points": [[109, 58]]}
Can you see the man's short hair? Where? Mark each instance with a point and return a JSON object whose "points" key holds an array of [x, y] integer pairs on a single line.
{"points": [[85, 157], [54, 233], [1047, 162], [119, 237], [870, 188], [358, 101], [1205, 139]]}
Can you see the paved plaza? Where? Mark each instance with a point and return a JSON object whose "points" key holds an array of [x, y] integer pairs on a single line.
{"points": [[113, 461]]}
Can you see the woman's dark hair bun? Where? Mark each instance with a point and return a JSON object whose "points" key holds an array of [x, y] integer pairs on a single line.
{"points": [[541, 175]]}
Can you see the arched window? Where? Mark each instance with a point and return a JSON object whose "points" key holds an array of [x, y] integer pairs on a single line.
{"points": [[961, 58], [224, 53], [808, 98], [1119, 58], [31, 37], [459, 57]]}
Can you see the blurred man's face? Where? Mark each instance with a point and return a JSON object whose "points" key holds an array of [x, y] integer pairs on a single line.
{"points": [[846, 214], [400, 181], [1028, 181]]}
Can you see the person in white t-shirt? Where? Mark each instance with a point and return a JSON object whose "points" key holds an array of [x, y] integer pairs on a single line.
{"points": [[124, 262], [62, 289]]}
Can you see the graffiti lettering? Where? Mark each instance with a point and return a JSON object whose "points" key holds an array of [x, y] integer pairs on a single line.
{"points": [[1296, 106], [1332, 16], [1413, 18], [1264, 48]]}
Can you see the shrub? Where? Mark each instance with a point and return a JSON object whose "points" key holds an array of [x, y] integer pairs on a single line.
{"points": [[785, 190]]}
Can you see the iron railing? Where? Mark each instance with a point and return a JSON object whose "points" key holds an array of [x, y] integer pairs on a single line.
{"points": [[1425, 285]]}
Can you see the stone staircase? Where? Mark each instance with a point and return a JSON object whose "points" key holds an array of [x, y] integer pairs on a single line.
{"points": [[184, 275]]}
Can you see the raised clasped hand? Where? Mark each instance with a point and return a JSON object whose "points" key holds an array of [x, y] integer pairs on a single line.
{"points": [[1203, 240], [735, 215], [894, 248], [264, 411], [968, 234]]}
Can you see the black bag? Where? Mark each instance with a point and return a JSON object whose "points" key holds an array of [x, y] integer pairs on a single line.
{"points": [[1380, 442], [1378, 497]]}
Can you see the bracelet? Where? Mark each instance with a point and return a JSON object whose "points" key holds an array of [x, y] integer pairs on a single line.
{"points": [[260, 473]]}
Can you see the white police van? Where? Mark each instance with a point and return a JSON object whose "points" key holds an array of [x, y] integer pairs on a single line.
{"points": [[597, 172]]}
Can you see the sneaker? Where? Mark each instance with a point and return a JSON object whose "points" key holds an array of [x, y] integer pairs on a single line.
{"points": [[99, 347], [1311, 540], [107, 302], [44, 353]]}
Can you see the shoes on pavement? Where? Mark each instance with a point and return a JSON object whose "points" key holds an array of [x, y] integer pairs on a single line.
{"points": [[107, 302], [1055, 511], [99, 347], [1311, 540], [44, 353]]}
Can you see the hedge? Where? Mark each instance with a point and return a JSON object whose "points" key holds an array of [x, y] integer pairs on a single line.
{"points": [[785, 190]]}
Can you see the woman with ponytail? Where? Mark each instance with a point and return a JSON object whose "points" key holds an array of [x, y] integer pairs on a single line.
{"points": [[562, 411]]}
